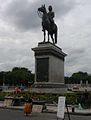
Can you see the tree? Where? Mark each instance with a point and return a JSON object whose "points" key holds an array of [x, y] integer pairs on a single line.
{"points": [[1, 77], [77, 77], [66, 80], [22, 76], [18, 76], [89, 79]]}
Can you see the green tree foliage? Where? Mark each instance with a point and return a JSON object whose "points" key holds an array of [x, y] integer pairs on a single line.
{"points": [[80, 76], [1, 78], [18, 76], [67, 80], [89, 79], [77, 77]]}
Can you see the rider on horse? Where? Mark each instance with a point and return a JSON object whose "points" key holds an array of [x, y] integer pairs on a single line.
{"points": [[48, 23], [51, 15]]}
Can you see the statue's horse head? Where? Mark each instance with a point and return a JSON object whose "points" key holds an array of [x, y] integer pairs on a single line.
{"points": [[42, 9]]}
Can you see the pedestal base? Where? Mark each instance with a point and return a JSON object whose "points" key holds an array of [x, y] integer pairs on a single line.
{"points": [[49, 69], [47, 87], [49, 63]]}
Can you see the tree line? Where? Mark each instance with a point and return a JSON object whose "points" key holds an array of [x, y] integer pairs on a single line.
{"points": [[76, 78], [17, 76], [23, 76]]}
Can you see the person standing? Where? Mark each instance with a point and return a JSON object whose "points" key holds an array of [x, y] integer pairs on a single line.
{"points": [[28, 107]]}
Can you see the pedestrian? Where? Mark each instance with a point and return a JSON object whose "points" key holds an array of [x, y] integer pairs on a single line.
{"points": [[28, 107]]}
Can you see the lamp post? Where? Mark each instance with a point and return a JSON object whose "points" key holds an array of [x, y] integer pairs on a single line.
{"points": [[30, 86]]}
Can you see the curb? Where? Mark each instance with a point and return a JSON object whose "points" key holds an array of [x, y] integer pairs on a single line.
{"points": [[71, 113], [48, 111], [12, 108]]}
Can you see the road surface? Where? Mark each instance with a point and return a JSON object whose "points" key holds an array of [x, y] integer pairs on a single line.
{"points": [[6, 114]]}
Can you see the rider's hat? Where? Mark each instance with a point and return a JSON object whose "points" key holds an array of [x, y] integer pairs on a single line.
{"points": [[50, 8]]}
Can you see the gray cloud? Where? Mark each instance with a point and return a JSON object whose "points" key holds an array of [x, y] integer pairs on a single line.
{"points": [[15, 56], [75, 55], [23, 14], [78, 60], [74, 37]]}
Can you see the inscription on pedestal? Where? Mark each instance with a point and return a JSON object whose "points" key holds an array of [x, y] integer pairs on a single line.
{"points": [[42, 69]]}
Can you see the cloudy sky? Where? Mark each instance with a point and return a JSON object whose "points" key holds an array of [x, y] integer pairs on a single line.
{"points": [[20, 30]]}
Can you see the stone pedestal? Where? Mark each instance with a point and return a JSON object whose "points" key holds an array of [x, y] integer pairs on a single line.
{"points": [[49, 65]]}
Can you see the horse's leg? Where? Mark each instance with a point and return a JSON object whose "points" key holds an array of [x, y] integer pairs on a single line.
{"points": [[55, 34], [52, 38], [48, 36], [44, 35]]}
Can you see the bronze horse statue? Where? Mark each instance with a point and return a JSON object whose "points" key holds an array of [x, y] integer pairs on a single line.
{"points": [[46, 25]]}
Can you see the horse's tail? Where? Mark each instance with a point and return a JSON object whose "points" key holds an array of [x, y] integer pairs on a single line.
{"points": [[56, 35]]}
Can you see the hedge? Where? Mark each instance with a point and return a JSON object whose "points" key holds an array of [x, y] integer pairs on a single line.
{"points": [[71, 98]]}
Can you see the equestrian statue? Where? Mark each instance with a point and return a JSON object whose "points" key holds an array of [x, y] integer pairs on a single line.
{"points": [[48, 23]]}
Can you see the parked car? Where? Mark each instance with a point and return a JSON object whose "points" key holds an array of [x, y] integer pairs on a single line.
{"points": [[75, 88]]}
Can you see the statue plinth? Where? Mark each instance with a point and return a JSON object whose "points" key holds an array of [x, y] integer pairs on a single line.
{"points": [[49, 66]]}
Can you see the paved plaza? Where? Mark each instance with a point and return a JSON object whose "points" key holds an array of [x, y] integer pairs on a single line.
{"points": [[7, 114]]}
